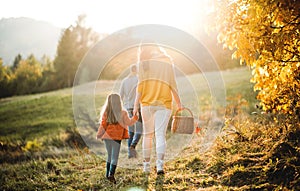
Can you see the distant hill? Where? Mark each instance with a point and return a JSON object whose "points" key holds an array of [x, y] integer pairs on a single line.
{"points": [[27, 36]]}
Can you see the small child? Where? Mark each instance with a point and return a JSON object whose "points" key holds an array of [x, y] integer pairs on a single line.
{"points": [[113, 128]]}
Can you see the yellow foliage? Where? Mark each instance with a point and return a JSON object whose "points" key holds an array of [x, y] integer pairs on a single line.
{"points": [[265, 34]]}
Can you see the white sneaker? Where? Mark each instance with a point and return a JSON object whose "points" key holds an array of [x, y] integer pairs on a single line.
{"points": [[146, 167], [159, 166]]}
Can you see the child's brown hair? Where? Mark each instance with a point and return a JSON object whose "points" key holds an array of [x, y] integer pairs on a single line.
{"points": [[113, 108]]}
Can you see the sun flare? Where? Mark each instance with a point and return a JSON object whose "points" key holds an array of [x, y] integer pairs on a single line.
{"points": [[108, 16], [112, 17]]}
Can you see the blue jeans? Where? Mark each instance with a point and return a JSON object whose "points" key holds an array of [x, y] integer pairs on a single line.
{"points": [[135, 131], [113, 150]]}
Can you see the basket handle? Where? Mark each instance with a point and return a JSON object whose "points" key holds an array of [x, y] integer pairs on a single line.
{"points": [[184, 108]]}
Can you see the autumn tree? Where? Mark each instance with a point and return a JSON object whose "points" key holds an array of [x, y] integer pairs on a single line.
{"points": [[17, 60], [265, 35], [73, 45], [5, 80], [27, 76], [47, 82]]}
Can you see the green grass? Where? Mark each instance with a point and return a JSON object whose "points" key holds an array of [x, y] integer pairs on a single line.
{"points": [[37, 117], [243, 156], [40, 116]]}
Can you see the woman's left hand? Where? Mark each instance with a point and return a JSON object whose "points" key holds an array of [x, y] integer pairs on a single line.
{"points": [[136, 104], [135, 111]]}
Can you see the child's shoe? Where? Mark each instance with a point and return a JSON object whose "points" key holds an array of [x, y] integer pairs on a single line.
{"points": [[112, 179]]}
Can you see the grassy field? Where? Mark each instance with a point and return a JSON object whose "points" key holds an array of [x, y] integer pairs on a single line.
{"points": [[41, 148]]}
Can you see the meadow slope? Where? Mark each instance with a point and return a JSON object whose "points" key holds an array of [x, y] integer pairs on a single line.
{"points": [[238, 147]]}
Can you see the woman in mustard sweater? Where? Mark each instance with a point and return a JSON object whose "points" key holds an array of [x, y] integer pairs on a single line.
{"points": [[155, 92]]}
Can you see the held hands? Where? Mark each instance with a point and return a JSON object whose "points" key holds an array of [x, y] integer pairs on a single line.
{"points": [[135, 113], [136, 105], [135, 117]]}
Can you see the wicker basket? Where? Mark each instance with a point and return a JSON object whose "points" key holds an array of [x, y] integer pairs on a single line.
{"points": [[183, 124]]}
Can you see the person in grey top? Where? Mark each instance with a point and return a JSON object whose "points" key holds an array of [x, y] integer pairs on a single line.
{"points": [[128, 94]]}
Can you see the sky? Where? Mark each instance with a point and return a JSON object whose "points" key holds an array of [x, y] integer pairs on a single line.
{"points": [[108, 16]]}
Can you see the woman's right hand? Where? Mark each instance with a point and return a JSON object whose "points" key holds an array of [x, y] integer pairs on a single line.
{"points": [[180, 106]]}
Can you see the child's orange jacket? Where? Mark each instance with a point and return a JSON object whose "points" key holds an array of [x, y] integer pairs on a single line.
{"points": [[115, 131]]}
